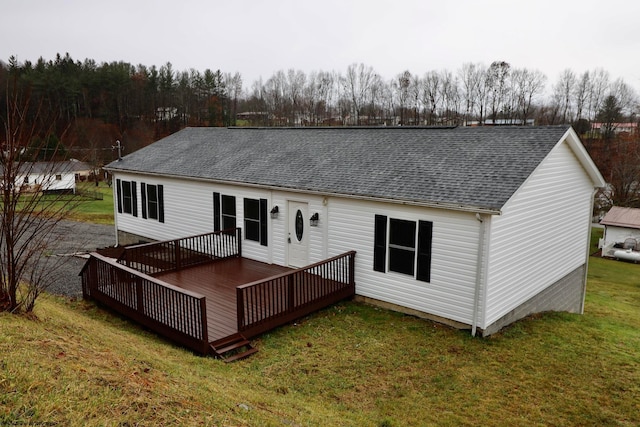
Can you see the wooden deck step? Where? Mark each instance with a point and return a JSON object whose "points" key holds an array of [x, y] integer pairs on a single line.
{"points": [[233, 347]]}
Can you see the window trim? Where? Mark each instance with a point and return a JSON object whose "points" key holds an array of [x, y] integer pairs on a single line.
{"points": [[122, 199], [147, 202], [261, 221], [220, 212], [422, 250]]}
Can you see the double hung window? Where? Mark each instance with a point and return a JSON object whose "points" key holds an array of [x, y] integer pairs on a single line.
{"points": [[152, 201], [403, 246], [255, 220]]}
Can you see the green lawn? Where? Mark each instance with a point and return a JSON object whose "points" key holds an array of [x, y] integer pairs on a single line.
{"points": [[352, 364], [95, 211]]}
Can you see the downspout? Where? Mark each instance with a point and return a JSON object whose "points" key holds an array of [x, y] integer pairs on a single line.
{"points": [[476, 297], [115, 207], [586, 260]]}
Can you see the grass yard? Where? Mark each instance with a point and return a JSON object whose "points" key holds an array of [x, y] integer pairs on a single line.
{"points": [[352, 364], [95, 211]]}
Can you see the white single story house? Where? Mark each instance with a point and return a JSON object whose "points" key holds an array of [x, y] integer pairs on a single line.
{"points": [[473, 227], [621, 238], [48, 176]]}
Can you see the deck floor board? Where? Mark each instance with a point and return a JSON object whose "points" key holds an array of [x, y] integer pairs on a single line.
{"points": [[217, 281]]}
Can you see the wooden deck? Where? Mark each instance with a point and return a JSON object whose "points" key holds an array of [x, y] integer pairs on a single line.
{"points": [[217, 281], [200, 292]]}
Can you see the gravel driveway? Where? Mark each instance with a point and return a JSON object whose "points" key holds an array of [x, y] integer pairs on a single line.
{"points": [[72, 240]]}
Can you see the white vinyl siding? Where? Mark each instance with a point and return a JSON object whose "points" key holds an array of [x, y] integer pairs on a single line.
{"points": [[188, 211], [450, 292], [541, 235]]}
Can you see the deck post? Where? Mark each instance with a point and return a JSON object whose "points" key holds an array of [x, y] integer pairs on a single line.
{"points": [[352, 274], [177, 253], [203, 320], [239, 241], [240, 308]]}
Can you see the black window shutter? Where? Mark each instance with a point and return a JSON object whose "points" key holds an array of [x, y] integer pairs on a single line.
{"points": [[143, 194], [380, 243], [160, 203], [216, 211], [263, 222], [134, 198], [119, 195], [425, 236]]}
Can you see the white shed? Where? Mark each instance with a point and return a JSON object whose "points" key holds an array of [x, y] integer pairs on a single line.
{"points": [[621, 238], [474, 227]]}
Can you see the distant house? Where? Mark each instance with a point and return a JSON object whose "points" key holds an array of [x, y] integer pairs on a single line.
{"points": [[502, 122], [616, 128], [49, 176], [474, 227], [621, 237]]}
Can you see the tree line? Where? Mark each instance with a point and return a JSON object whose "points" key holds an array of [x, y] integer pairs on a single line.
{"points": [[97, 104], [120, 93]]}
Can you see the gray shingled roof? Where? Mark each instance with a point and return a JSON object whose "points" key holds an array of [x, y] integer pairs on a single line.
{"points": [[469, 168]]}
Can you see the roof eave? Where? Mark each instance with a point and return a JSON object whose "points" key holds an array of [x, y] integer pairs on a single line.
{"points": [[423, 203], [573, 140]]}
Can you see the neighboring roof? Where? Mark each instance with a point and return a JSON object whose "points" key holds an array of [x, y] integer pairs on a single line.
{"points": [[622, 217], [462, 168], [40, 168]]}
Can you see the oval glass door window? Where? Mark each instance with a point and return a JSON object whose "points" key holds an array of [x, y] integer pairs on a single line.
{"points": [[299, 225]]}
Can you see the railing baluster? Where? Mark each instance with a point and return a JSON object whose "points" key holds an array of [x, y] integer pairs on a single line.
{"points": [[261, 303], [157, 305]]}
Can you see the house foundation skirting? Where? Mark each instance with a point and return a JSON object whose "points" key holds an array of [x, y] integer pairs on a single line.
{"points": [[411, 312], [125, 238], [566, 294]]}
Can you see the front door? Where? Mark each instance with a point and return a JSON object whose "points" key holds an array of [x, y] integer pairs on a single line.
{"points": [[298, 234]]}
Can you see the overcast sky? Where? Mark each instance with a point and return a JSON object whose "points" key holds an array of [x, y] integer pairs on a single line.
{"points": [[259, 37]]}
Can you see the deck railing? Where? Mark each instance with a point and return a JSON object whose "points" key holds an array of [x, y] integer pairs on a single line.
{"points": [[266, 304], [176, 313], [158, 257]]}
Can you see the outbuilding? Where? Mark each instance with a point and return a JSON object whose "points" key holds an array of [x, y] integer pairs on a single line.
{"points": [[473, 227], [621, 238]]}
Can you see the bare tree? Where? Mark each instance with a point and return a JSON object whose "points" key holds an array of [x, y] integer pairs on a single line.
{"points": [[626, 96], [581, 94], [233, 83], [357, 84], [599, 82], [497, 84], [527, 85], [431, 93], [471, 76], [295, 89], [414, 99], [450, 97], [29, 213], [563, 94], [401, 85]]}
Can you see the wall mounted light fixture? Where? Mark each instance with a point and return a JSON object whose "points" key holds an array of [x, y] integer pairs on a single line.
{"points": [[274, 212], [314, 219]]}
